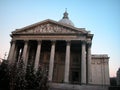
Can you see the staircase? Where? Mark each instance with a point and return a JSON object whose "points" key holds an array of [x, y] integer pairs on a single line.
{"points": [[59, 86]]}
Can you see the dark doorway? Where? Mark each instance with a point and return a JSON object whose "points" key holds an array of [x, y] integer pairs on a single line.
{"points": [[75, 77]]}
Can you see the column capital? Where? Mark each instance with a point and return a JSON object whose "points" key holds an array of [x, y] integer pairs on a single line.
{"points": [[89, 43], [53, 41], [25, 40], [84, 42], [68, 42], [13, 41], [39, 41]]}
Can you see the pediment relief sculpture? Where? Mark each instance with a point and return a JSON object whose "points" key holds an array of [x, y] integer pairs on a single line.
{"points": [[48, 27]]}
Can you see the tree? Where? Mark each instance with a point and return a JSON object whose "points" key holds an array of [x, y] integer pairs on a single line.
{"points": [[36, 79], [41, 78], [15, 77], [4, 75]]}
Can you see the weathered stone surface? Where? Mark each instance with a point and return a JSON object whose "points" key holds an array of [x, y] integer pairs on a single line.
{"points": [[118, 77], [55, 86], [100, 69], [66, 62], [48, 26]]}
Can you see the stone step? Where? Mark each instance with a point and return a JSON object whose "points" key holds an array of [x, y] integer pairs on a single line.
{"points": [[56, 86]]}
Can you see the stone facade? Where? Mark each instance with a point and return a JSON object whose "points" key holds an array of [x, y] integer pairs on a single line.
{"points": [[100, 70], [62, 49], [118, 77]]}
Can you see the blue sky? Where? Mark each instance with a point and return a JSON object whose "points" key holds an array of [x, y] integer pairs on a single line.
{"points": [[101, 17]]}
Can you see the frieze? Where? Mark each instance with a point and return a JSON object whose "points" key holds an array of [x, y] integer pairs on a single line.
{"points": [[47, 38], [99, 62]]}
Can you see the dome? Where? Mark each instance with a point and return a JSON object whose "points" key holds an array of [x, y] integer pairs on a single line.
{"points": [[65, 19]]}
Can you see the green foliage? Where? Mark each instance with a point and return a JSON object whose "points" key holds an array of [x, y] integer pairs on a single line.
{"points": [[4, 75], [16, 77], [36, 80]]}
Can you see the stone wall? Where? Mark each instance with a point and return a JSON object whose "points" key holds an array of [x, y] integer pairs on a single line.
{"points": [[118, 77], [100, 69]]}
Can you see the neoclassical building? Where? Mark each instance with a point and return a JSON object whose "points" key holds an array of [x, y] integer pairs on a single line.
{"points": [[63, 49]]}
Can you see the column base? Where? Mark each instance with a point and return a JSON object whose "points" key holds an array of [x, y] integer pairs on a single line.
{"points": [[66, 82], [83, 83]]}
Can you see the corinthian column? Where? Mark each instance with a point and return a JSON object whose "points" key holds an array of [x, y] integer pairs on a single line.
{"points": [[24, 55], [67, 63], [51, 63], [89, 62], [37, 56], [83, 63], [11, 52]]}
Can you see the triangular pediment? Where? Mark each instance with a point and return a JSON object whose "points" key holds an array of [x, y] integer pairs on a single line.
{"points": [[48, 26]]}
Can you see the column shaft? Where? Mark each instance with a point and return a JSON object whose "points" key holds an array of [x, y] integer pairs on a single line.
{"points": [[8, 58], [67, 63], [37, 56], [51, 63], [15, 53], [83, 64], [89, 64], [24, 55], [11, 52]]}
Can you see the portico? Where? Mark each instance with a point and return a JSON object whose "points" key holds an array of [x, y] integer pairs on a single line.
{"points": [[60, 57]]}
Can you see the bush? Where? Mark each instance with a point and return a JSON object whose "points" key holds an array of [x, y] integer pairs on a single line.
{"points": [[4, 75], [15, 77]]}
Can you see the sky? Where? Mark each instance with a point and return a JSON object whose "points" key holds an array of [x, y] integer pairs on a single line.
{"points": [[101, 17]]}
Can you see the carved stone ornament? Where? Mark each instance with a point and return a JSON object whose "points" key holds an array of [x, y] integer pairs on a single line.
{"points": [[48, 28]]}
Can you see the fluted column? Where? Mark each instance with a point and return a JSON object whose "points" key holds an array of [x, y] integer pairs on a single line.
{"points": [[24, 55], [11, 52], [67, 63], [89, 63], [51, 63], [37, 56], [83, 63]]}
